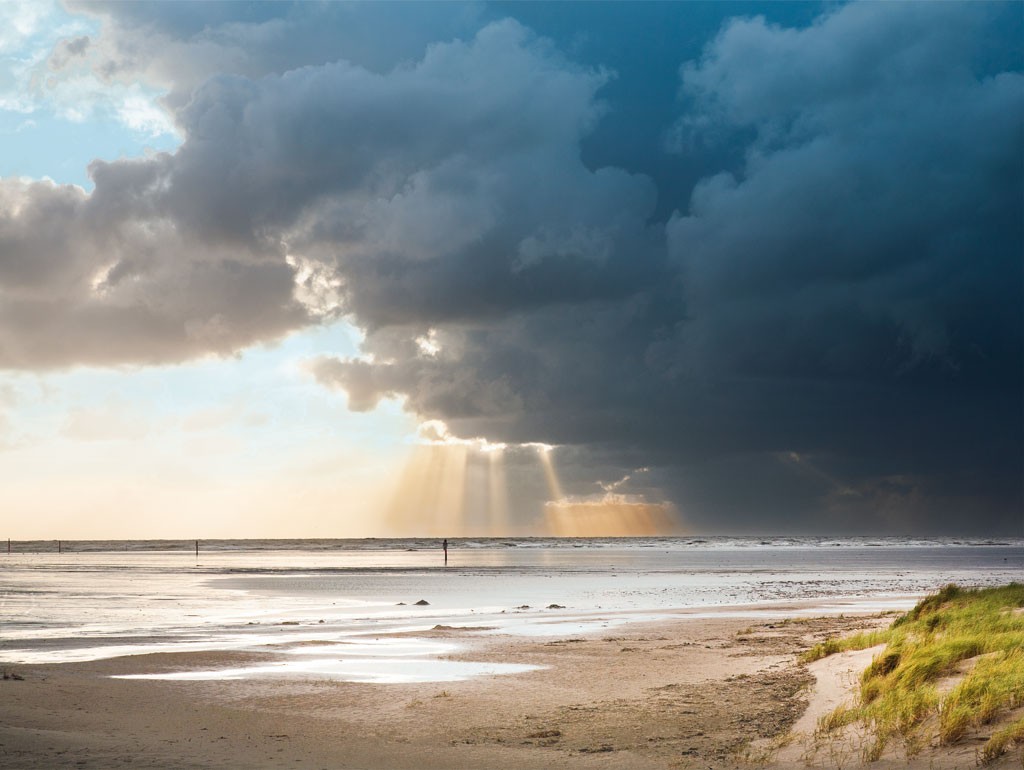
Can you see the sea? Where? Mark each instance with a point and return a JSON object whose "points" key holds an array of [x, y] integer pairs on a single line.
{"points": [[353, 609]]}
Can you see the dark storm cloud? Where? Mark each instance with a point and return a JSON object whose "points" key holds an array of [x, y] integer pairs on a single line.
{"points": [[851, 297], [827, 330], [873, 242]]}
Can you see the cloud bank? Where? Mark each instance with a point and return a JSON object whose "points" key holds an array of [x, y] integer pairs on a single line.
{"points": [[827, 333]]}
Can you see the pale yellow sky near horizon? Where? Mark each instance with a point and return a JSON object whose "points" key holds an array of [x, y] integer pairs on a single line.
{"points": [[249, 446]]}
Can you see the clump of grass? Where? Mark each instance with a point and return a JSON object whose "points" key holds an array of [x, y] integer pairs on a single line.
{"points": [[860, 641], [1001, 739], [899, 696], [997, 681], [838, 718]]}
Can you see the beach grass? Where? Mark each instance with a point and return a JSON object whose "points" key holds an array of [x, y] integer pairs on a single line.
{"points": [[952, 664]]}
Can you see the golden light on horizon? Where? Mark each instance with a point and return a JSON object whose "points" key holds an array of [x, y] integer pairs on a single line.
{"points": [[611, 516], [453, 487]]}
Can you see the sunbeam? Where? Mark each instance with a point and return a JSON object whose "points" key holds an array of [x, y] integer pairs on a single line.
{"points": [[497, 508], [554, 485], [449, 514], [430, 494], [803, 464], [454, 487]]}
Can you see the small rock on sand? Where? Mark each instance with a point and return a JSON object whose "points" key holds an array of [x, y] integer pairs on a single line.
{"points": [[545, 734]]}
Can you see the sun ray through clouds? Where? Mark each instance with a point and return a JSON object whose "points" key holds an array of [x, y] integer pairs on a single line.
{"points": [[497, 508], [428, 499], [449, 514], [554, 485], [454, 487]]}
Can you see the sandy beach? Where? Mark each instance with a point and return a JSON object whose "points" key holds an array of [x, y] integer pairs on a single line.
{"points": [[521, 655], [690, 692]]}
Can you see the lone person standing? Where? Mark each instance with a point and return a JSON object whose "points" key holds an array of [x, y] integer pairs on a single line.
{"points": [[444, 545]]}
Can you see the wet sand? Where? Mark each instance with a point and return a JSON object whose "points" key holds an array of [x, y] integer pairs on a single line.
{"points": [[683, 693]]}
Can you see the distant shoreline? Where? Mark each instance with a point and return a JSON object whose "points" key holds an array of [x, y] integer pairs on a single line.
{"points": [[171, 545]]}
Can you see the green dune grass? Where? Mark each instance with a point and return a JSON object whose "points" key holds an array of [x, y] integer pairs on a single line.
{"points": [[953, 663]]}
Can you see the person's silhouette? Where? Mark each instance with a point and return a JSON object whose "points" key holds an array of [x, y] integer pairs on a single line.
{"points": [[445, 546]]}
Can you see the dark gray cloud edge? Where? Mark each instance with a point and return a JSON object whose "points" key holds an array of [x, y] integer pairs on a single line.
{"points": [[836, 343], [826, 338]]}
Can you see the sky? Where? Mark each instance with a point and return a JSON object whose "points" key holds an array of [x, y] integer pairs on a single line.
{"points": [[440, 269]]}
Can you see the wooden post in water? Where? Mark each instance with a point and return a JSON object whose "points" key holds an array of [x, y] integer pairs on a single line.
{"points": [[59, 547], [197, 550], [8, 546]]}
